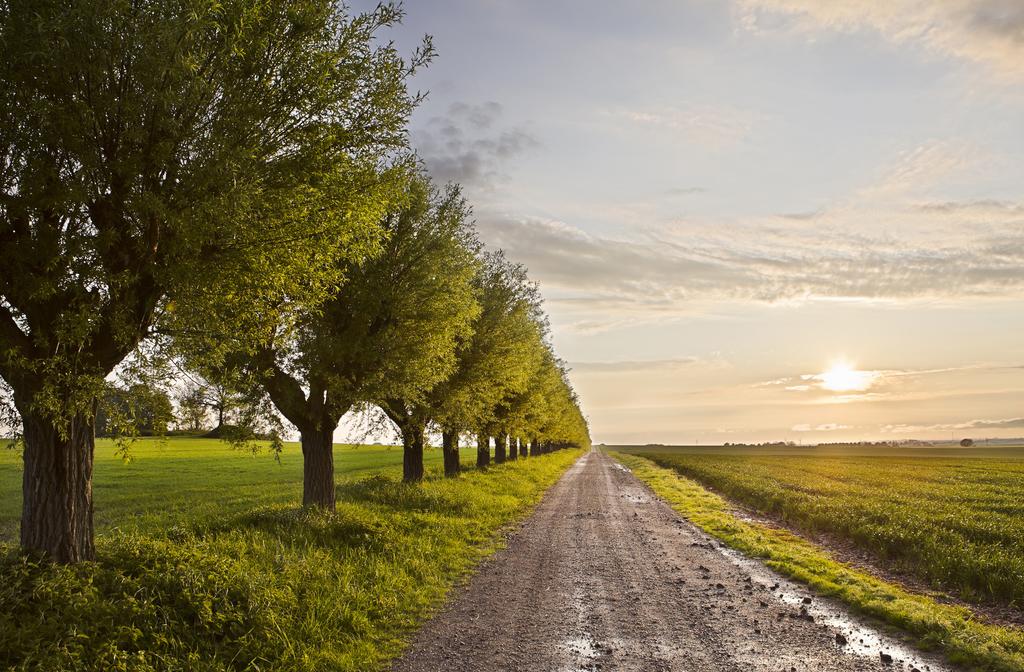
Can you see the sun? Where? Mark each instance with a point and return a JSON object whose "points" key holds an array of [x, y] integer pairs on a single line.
{"points": [[843, 377]]}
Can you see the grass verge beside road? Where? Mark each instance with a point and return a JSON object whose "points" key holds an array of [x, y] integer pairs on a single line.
{"points": [[215, 584], [956, 523], [948, 628]]}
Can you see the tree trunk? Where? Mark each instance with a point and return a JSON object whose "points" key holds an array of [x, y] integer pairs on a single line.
{"points": [[318, 468], [513, 450], [500, 441], [56, 514], [522, 446], [534, 448], [412, 452], [450, 447], [483, 450]]}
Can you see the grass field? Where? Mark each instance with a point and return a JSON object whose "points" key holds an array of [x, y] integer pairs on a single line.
{"points": [[188, 481], [955, 521], [952, 629], [206, 562]]}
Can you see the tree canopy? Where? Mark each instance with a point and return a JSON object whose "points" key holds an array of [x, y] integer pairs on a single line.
{"points": [[175, 162], [234, 179], [501, 351], [390, 331]]}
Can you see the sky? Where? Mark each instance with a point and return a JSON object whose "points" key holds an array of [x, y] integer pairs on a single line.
{"points": [[751, 220]]}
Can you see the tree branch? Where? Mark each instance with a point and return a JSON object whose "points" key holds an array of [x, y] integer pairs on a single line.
{"points": [[286, 393]]}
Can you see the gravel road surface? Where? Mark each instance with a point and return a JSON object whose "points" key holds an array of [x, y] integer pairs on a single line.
{"points": [[605, 576]]}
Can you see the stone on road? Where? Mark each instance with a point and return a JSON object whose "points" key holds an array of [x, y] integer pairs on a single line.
{"points": [[605, 576]]}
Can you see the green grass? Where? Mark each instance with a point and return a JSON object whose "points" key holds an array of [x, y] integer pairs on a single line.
{"points": [[957, 523], [186, 480], [951, 629], [205, 562]]}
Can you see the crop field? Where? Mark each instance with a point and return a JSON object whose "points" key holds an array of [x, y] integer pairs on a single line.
{"points": [[953, 520], [205, 561]]}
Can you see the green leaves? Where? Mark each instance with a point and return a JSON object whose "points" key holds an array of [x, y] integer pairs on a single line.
{"points": [[196, 165], [391, 329], [236, 175]]}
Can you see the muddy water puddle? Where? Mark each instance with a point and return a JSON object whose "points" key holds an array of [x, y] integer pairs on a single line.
{"points": [[583, 650], [859, 638]]}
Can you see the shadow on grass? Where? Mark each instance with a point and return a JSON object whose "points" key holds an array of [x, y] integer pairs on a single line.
{"points": [[364, 516], [233, 594], [143, 602], [433, 495], [274, 588]]}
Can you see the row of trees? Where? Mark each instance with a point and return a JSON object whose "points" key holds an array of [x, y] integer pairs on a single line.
{"points": [[233, 181], [433, 331]]}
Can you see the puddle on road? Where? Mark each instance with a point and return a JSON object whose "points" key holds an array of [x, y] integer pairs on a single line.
{"points": [[583, 650], [619, 465], [862, 639]]}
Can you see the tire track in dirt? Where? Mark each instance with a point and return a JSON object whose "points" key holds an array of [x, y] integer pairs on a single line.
{"points": [[605, 576]]}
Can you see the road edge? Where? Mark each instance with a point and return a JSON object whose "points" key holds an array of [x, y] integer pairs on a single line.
{"points": [[483, 552], [931, 626]]}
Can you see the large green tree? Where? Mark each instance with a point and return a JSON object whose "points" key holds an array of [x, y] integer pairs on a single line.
{"points": [[390, 332], [161, 159], [495, 362]]}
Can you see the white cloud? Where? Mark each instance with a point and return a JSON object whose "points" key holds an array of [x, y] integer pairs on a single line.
{"points": [[948, 252], [922, 168], [891, 241], [715, 126], [1006, 423], [989, 32], [879, 381], [633, 366], [827, 427]]}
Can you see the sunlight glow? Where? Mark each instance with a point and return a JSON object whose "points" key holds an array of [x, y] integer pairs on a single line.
{"points": [[843, 377]]}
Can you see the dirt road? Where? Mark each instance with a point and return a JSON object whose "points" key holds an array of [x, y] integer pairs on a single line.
{"points": [[604, 576]]}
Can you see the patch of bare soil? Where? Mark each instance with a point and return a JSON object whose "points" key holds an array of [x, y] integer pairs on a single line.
{"points": [[605, 576]]}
